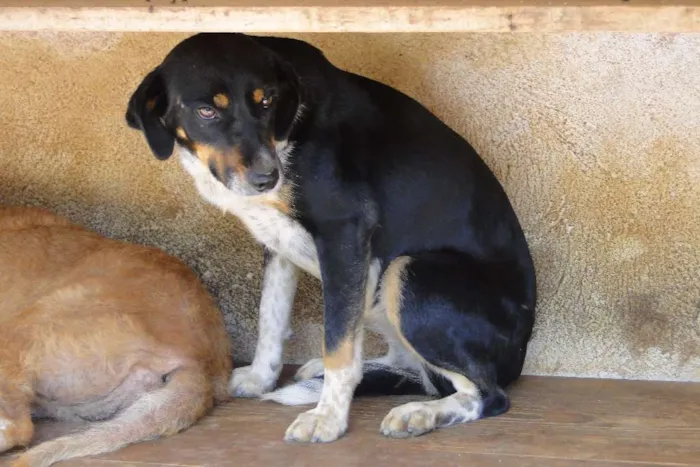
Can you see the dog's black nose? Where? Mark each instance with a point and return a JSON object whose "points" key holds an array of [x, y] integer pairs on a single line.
{"points": [[263, 181]]}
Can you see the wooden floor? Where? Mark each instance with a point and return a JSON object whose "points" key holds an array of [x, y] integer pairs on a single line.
{"points": [[553, 422]]}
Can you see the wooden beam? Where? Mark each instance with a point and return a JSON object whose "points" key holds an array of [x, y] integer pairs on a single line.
{"points": [[265, 16]]}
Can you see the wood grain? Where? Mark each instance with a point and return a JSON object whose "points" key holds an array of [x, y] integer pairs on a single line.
{"points": [[351, 16], [554, 422]]}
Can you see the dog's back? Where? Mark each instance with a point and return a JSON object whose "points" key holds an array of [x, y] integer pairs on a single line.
{"points": [[37, 248], [100, 330]]}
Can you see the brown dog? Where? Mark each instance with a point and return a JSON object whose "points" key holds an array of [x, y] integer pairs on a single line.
{"points": [[99, 330]]}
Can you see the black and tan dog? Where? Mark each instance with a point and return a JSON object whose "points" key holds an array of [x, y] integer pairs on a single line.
{"points": [[362, 187]]}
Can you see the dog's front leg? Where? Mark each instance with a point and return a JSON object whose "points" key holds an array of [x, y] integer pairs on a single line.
{"points": [[343, 251], [279, 288]]}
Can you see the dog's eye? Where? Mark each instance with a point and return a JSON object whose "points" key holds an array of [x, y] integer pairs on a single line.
{"points": [[206, 113], [266, 102]]}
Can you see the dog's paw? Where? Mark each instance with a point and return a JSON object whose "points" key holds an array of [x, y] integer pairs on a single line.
{"points": [[316, 427], [311, 369], [247, 383], [412, 419]]}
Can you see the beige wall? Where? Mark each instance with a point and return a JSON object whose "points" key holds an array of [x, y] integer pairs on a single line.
{"points": [[595, 137]]}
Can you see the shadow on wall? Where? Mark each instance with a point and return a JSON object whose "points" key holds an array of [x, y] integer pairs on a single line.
{"points": [[594, 136]]}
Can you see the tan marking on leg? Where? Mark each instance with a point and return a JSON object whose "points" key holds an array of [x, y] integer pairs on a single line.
{"points": [[392, 294], [221, 100], [343, 355], [340, 357], [394, 278], [315, 366]]}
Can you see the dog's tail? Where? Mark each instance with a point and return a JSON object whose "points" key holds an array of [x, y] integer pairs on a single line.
{"points": [[184, 398], [377, 380]]}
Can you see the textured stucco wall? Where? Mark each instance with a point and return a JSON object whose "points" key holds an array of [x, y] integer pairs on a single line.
{"points": [[595, 137]]}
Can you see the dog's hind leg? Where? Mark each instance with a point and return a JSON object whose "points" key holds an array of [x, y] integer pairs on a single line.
{"points": [[469, 324], [185, 395], [375, 321]]}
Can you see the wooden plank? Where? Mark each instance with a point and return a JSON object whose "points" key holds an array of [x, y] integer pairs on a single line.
{"points": [[351, 16], [554, 422]]}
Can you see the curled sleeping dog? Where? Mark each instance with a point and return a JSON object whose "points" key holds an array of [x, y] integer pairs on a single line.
{"points": [[122, 336], [362, 187]]}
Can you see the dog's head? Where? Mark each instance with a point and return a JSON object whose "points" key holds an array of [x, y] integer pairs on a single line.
{"points": [[226, 100]]}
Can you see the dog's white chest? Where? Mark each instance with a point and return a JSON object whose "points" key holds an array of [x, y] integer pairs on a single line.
{"points": [[274, 229], [281, 234]]}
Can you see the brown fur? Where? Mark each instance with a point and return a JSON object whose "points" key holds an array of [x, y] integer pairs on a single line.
{"points": [[258, 96], [280, 200], [221, 101], [341, 357], [212, 156], [181, 133], [124, 336], [392, 296], [392, 293]]}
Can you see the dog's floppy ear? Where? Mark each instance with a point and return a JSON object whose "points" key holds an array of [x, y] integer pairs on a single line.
{"points": [[289, 99], [145, 111]]}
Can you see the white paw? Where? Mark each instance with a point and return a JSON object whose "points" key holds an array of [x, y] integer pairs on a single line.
{"points": [[311, 369], [315, 427], [247, 383], [412, 419]]}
